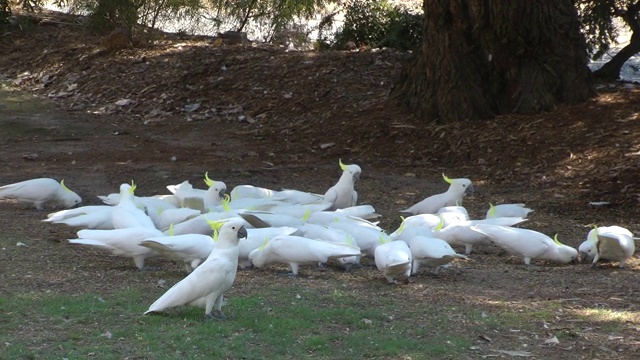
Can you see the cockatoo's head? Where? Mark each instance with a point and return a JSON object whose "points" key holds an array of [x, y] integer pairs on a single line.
{"points": [[461, 186], [589, 248], [353, 170], [567, 253], [215, 186], [69, 198]]}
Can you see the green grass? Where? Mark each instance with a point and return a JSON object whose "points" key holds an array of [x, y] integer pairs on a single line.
{"points": [[271, 324]]}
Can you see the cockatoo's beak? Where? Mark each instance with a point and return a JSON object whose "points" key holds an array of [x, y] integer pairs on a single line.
{"points": [[242, 232], [221, 193], [584, 257], [469, 190], [356, 176]]}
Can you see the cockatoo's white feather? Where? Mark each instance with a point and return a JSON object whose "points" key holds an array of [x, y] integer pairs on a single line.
{"points": [[121, 242], [87, 217], [39, 192], [343, 193], [298, 250], [507, 210], [206, 285], [613, 243], [394, 260], [431, 252], [458, 188], [529, 244]]}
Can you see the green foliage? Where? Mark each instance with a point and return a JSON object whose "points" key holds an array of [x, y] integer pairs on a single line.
{"points": [[597, 24], [379, 23]]}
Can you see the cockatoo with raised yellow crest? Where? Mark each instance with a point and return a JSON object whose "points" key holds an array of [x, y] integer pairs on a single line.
{"points": [[613, 243], [126, 214], [458, 188], [206, 285], [343, 193], [39, 192]]}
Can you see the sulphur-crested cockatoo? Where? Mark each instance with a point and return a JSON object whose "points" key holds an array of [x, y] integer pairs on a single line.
{"points": [[256, 238], [87, 217], [121, 242], [126, 214], [507, 210], [458, 188], [343, 193], [206, 285], [459, 233], [191, 249], [394, 259], [298, 250], [39, 192], [529, 244], [332, 235], [613, 243], [432, 252]]}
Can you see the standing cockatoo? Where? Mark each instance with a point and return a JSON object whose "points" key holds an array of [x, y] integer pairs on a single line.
{"points": [[206, 285], [458, 188], [613, 243], [40, 191], [343, 194]]}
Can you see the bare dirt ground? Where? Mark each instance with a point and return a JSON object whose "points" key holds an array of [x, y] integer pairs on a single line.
{"points": [[171, 109]]}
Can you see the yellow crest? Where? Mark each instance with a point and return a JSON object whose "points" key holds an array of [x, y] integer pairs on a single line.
{"points": [[594, 234], [132, 189], [225, 203], [170, 230], [64, 186], [306, 215], [342, 166], [492, 210], [215, 225], [440, 224], [402, 225], [264, 245], [449, 181], [208, 181], [555, 240]]}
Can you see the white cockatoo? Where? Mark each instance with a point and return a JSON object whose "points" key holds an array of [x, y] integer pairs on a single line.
{"points": [[87, 217], [126, 214], [343, 193], [432, 252], [298, 250], [256, 238], [529, 244], [206, 285], [366, 234], [332, 235], [39, 192], [613, 243], [191, 249], [121, 242], [394, 259], [459, 233], [458, 188], [507, 210], [162, 219]]}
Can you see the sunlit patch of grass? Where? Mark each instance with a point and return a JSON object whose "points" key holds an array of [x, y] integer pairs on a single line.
{"points": [[609, 315]]}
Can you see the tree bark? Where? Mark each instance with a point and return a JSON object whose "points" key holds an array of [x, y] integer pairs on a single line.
{"points": [[480, 58]]}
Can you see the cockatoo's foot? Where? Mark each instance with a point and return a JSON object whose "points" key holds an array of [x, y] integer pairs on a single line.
{"points": [[221, 316]]}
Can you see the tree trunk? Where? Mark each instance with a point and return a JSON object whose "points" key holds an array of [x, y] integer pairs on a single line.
{"points": [[611, 70], [480, 58]]}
